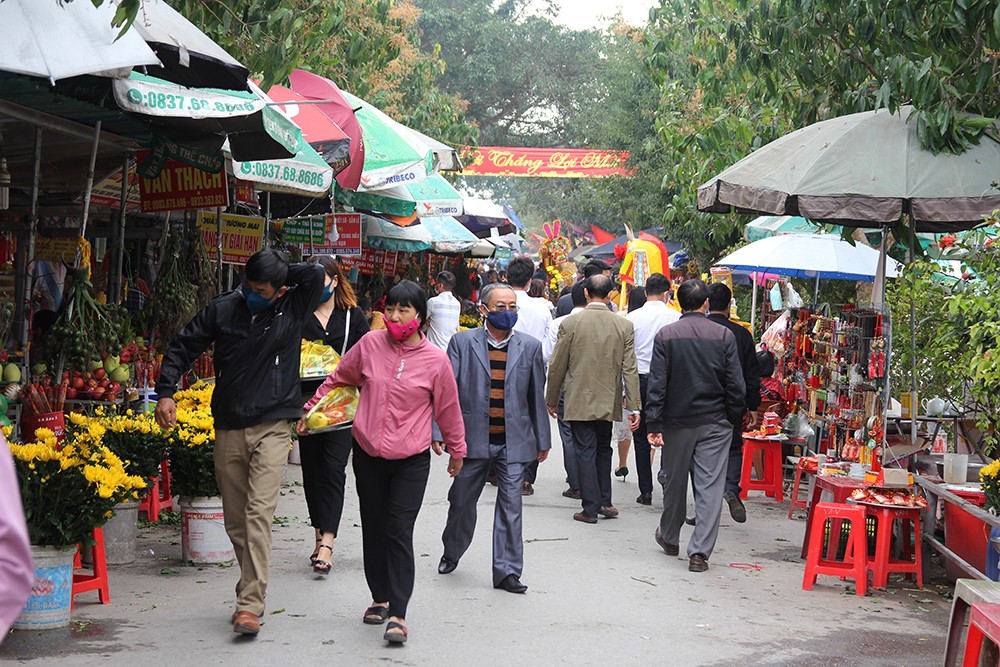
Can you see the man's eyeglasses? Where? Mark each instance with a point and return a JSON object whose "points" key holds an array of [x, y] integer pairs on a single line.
{"points": [[499, 308]]}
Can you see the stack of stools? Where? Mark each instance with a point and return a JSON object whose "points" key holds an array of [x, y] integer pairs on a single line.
{"points": [[159, 497], [855, 562], [773, 480], [97, 580], [984, 622], [882, 563]]}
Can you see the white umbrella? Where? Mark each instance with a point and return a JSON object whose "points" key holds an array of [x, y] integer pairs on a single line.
{"points": [[53, 40], [809, 256]]}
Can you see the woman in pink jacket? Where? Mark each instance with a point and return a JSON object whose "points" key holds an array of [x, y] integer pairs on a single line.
{"points": [[405, 382]]}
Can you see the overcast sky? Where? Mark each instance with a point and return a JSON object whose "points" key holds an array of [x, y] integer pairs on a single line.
{"points": [[581, 14]]}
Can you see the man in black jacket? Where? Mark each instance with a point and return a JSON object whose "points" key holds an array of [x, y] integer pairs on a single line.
{"points": [[719, 299], [257, 331], [695, 397], [592, 268]]}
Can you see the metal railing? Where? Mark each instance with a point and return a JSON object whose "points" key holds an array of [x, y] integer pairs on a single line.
{"points": [[938, 493]]}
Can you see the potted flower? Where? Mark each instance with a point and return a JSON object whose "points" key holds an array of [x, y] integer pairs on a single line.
{"points": [[142, 445], [67, 491], [192, 471]]}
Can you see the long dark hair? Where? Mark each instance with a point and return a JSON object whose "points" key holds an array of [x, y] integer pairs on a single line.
{"points": [[344, 297]]}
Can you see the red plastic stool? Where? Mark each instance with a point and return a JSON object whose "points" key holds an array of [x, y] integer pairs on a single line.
{"points": [[984, 621], [159, 496], [797, 503], [772, 481], [855, 563], [882, 563], [97, 579]]}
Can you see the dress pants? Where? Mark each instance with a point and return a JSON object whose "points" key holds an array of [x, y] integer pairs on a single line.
{"points": [[593, 456], [643, 467], [390, 492], [569, 450], [702, 453], [734, 467], [249, 463], [324, 476], [508, 545]]}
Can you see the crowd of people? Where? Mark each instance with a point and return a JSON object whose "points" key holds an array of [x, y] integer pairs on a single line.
{"points": [[671, 373]]}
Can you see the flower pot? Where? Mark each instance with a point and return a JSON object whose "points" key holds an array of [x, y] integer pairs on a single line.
{"points": [[120, 532], [203, 531], [48, 606], [54, 421]]}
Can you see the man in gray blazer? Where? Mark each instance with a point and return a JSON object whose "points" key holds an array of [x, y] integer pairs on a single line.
{"points": [[501, 388]]}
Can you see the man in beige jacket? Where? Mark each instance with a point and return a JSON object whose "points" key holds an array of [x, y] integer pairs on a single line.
{"points": [[594, 351]]}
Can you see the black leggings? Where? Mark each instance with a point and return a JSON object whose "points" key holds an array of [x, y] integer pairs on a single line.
{"points": [[391, 492], [324, 475]]}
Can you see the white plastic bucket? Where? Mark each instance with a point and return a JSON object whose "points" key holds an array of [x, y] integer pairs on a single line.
{"points": [[956, 467], [48, 606], [203, 531]]}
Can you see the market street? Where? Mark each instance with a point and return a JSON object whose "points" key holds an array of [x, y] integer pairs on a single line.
{"points": [[598, 595]]}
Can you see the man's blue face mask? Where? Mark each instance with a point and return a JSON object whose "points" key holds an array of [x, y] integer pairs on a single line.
{"points": [[255, 302]]}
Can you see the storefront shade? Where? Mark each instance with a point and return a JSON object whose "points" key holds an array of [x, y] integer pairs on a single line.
{"points": [[810, 256], [318, 129], [433, 196], [381, 234], [775, 225], [448, 235]]}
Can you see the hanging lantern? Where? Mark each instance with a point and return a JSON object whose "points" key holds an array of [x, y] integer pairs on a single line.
{"points": [[4, 185]]}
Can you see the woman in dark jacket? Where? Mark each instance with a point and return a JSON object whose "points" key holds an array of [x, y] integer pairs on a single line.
{"points": [[339, 323]]}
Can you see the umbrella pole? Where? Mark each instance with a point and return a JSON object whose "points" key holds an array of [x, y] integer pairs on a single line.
{"points": [[28, 254], [911, 252], [311, 250], [878, 290], [753, 305], [118, 248], [218, 245], [816, 292], [88, 188]]}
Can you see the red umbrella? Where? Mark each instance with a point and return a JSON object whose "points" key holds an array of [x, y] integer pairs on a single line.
{"points": [[340, 111], [318, 129]]}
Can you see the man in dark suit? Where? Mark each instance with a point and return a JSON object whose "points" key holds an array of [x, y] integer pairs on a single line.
{"points": [[719, 299], [501, 388], [594, 352]]}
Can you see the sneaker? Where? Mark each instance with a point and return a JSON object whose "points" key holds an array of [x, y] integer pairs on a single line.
{"points": [[736, 508], [698, 563]]}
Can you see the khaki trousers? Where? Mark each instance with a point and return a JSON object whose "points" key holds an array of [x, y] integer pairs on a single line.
{"points": [[249, 463]]}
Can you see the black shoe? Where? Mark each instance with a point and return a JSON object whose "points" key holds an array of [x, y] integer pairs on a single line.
{"points": [[527, 489], [690, 520], [645, 499], [669, 549], [736, 508], [447, 566], [572, 493], [698, 563], [511, 584], [622, 472]]}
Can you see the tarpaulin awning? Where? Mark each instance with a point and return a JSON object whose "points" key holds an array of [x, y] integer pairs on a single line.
{"points": [[448, 235], [433, 196], [381, 234]]}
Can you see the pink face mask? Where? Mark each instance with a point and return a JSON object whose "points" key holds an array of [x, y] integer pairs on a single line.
{"points": [[400, 332]]}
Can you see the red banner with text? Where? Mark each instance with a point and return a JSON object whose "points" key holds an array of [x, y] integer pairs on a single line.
{"points": [[544, 162]]}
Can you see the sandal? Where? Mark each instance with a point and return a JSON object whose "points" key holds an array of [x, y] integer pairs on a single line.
{"points": [[321, 566], [395, 633], [376, 615]]}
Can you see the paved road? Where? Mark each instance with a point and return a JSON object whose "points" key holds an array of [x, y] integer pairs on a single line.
{"points": [[599, 595]]}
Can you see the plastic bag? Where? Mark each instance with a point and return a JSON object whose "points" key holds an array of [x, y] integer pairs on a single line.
{"points": [[317, 360], [334, 411], [774, 337], [791, 297]]}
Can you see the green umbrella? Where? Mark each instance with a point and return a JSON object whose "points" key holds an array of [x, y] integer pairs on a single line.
{"points": [[433, 196], [393, 156], [381, 234], [775, 225], [448, 235]]}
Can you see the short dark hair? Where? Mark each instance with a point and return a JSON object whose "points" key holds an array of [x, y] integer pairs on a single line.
{"points": [[520, 270], [267, 266], [447, 280], [577, 295], [599, 286], [692, 294], [636, 298], [408, 293], [766, 362], [657, 284], [536, 288], [720, 297], [595, 267]]}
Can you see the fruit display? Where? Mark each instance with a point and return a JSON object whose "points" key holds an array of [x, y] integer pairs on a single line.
{"points": [[334, 410], [85, 330], [874, 495], [317, 360], [11, 372]]}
